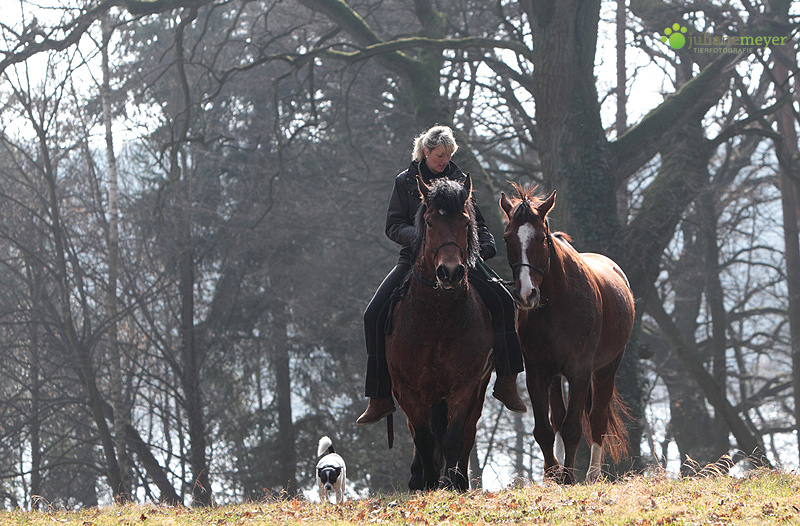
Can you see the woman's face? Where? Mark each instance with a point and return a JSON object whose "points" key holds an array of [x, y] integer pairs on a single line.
{"points": [[436, 159]]}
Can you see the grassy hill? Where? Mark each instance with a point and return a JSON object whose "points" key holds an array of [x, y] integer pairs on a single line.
{"points": [[762, 497]]}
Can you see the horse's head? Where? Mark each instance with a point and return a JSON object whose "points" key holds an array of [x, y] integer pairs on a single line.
{"points": [[446, 231], [528, 242]]}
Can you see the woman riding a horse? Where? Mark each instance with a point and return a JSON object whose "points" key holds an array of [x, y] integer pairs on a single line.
{"points": [[432, 154]]}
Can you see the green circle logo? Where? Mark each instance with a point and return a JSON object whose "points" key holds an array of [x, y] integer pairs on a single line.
{"points": [[674, 36]]}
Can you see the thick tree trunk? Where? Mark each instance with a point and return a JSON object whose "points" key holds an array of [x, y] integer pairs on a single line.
{"points": [[572, 144]]}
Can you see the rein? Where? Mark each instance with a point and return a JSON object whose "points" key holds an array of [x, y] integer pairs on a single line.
{"points": [[432, 284]]}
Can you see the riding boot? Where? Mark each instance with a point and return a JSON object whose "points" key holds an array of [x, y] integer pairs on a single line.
{"points": [[505, 390], [376, 410]]}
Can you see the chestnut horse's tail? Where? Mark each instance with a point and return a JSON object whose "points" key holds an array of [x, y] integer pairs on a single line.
{"points": [[615, 439]]}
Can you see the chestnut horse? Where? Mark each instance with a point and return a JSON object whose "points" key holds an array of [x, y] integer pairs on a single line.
{"points": [[438, 351], [575, 315]]}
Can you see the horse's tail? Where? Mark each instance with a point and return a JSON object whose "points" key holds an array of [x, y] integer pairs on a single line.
{"points": [[615, 440]]}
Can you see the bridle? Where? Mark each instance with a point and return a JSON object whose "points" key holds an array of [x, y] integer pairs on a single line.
{"points": [[550, 249], [435, 284], [445, 244]]}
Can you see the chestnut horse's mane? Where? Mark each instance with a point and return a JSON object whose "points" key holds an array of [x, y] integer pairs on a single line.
{"points": [[526, 202], [448, 197], [525, 207]]}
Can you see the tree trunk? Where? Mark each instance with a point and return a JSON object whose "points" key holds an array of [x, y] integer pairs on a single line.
{"points": [[191, 350], [690, 420], [788, 155], [34, 425], [191, 354], [68, 268], [120, 407], [287, 433], [572, 144], [707, 205]]}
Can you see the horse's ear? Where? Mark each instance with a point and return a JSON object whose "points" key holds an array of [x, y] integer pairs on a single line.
{"points": [[424, 189], [547, 204], [506, 204], [468, 185]]}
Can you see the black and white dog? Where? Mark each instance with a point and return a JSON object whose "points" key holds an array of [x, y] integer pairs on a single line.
{"points": [[330, 471]]}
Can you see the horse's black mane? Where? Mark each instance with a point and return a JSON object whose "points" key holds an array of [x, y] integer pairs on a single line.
{"points": [[449, 197]]}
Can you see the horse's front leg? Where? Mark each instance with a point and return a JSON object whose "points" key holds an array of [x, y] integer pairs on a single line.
{"points": [[542, 430], [452, 448], [424, 475], [572, 427], [558, 411]]}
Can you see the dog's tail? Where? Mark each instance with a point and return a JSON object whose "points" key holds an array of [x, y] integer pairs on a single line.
{"points": [[325, 446]]}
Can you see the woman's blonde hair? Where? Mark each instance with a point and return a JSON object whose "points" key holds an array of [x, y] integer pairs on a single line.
{"points": [[436, 136]]}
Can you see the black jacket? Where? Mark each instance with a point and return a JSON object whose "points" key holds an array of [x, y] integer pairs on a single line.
{"points": [[403, 210]]}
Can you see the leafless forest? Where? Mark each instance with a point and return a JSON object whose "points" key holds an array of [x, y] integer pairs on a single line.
{"points": [[192, 205]]}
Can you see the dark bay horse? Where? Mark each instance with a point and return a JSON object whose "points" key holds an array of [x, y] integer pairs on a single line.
{"points": [[574, 319], [438, 351]]}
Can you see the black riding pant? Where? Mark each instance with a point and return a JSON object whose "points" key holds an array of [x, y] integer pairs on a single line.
{"points": [[506, 351]]}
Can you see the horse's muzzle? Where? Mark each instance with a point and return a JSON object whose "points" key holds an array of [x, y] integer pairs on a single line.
{"points": [[450, 277], [531, 301]]}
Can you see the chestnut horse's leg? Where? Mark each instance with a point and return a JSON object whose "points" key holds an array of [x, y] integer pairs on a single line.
{"points": [[602, 393], [572, 429], [558, 411], [538, 389]]}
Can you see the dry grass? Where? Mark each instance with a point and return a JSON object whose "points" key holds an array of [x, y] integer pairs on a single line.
{"points": [[763, 497]]}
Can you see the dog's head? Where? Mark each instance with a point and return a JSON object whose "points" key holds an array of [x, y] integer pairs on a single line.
{"points": [[328, 475]]}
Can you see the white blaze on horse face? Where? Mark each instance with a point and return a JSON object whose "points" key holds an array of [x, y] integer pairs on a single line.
{"points": [[525, 234]]}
